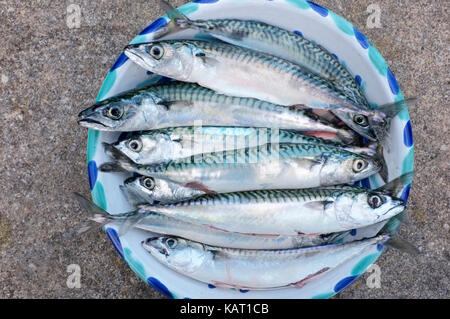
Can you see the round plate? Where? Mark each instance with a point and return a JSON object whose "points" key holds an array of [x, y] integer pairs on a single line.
{"points": [[314, 22]]}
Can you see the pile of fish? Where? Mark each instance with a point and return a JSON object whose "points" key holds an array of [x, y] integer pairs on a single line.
{"points": [[248, 159]]}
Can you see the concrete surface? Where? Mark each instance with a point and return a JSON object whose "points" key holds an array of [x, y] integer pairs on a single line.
{"points": [[49, 72]]}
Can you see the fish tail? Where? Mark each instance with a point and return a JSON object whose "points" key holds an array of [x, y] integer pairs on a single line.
{"points": [[379, 156], [385, 113], [173, 13], [98, 215], [401, 244], [122, 162], [178, 21], [102, 217], [397, 185], [347, 136]]}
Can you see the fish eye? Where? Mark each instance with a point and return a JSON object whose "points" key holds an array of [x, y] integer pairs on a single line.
{"points": [[156, 51], [361, 120], [359, 165], [114, 112], [171, 242], [375, 201], [135, 145], [148, 183]]}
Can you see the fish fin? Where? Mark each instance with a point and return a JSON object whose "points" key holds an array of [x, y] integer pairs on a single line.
{"points": [[207, 61], [320, 204], [395, 186], [403, 245], [200, 187], [388, 111], [171, 104]]}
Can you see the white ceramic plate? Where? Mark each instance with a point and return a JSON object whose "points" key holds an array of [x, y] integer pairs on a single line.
{"points": [[315, 23]]}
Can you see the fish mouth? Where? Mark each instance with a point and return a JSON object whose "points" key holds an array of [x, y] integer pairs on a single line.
{"points": [[153, 243], [397, 210], [87, 122], [133, 52]]}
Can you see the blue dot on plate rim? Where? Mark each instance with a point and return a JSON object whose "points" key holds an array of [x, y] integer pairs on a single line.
{"points": [[114, 238], [407, 135], [92, 174], [405, 193], [298, 33], [205, 1], [319, 9], [363, 41], [155, 26], [159, 286], [365, 183], [120, 61], [393, 85], [358, 80], [344, 283]]}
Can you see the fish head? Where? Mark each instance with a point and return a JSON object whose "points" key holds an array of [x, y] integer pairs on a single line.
{"points": [[173, 59], [122, 113], [145, 148], [366, 207], [180, 254], [360, 123], [348, 167], [158, 190]]}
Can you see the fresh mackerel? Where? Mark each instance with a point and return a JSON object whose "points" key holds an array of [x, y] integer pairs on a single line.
{"points": [[285, 212], [255, 269], [163, 145], [280, 166], [165, 225], [186, 104], [273, 40]]}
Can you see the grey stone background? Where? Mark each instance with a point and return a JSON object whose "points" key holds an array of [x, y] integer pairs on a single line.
{"points": [[48, 73]]}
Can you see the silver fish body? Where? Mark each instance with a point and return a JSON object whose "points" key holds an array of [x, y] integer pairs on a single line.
{"points": [[254, 269], [165, 225], [260, 36], [280, 166], [164, 145], [186, 104], [238, 71], [286, 212]]}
